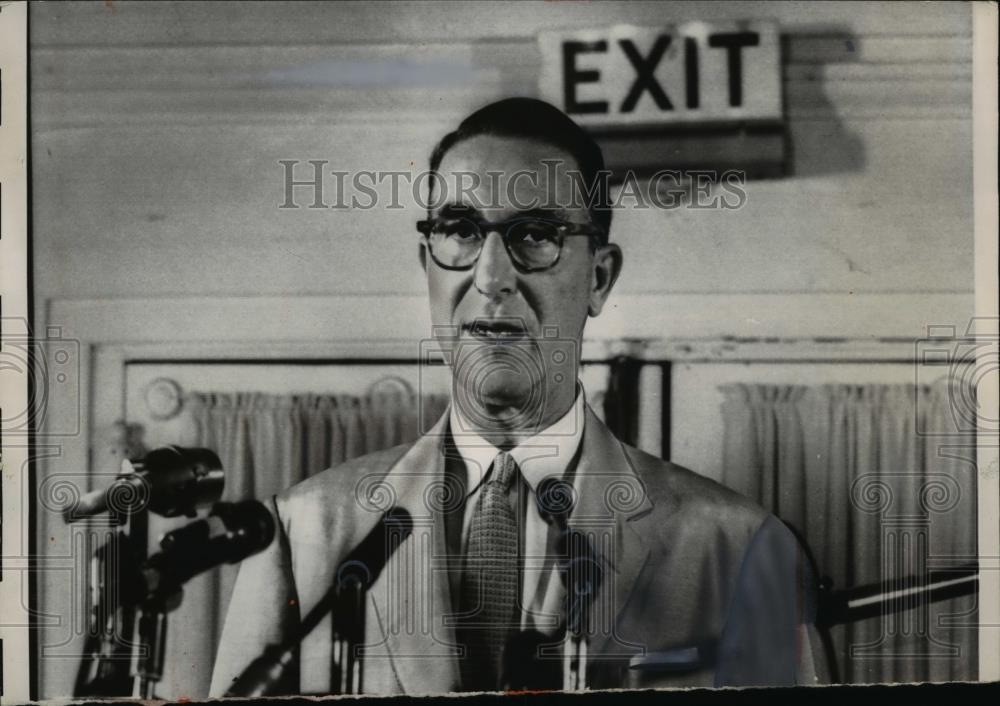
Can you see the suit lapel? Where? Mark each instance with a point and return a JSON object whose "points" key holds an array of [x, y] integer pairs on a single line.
{"points": [[412, 596], [611, 497]]}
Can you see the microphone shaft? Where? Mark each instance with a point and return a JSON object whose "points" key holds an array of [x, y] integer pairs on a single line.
{"points": [[345, 600], [877, 599]]}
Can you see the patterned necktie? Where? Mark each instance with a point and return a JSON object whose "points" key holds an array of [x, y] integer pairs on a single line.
{"points": [[490, 579]]}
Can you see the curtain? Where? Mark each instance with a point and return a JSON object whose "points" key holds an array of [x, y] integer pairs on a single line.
{"points": [[268, 443], [881, 484]]}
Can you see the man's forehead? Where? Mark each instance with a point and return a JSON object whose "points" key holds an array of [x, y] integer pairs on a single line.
{"points": [[498, 175], [509, 154]]}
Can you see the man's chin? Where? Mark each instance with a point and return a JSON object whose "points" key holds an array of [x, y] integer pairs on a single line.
{"points": [[499, 408], [500, 400]]}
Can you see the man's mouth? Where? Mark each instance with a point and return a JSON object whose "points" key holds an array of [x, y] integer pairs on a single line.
{"points": [[497, 330]]}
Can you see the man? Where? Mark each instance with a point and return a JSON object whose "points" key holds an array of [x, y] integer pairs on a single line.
{"points": [[690, 583]]}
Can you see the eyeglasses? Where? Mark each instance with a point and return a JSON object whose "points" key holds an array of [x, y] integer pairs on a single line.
{"points": [[533, 244]]}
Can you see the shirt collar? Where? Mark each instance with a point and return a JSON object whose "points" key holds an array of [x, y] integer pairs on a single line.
{"points": [[547, 453]]}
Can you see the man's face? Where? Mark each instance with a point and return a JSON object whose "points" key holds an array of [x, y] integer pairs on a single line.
{"points": [[515, 334]]}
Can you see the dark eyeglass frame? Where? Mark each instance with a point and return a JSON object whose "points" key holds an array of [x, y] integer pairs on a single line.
{"points": [[503, 228]]}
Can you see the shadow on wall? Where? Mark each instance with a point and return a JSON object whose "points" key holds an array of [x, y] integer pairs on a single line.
{"points": [[809, 64]]}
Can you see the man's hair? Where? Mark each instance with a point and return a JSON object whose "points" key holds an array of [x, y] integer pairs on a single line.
{"points": [[535, 119]]}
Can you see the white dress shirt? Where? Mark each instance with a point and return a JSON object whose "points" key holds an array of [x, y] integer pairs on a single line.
{"points": [[547, 453]]}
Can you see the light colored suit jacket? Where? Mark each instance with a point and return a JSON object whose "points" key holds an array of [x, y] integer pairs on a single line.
{"points": [[696, 574]]}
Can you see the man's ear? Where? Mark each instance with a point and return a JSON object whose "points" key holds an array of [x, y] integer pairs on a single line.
{"points": [[604, 273]]}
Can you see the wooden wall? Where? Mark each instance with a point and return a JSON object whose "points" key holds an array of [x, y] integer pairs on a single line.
{"points": [[157, 130]]}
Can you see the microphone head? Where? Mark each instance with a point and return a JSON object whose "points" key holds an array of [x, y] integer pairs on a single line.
{"points": [[364, 564], [170, 481], [249, 524], [555, 499], [193, 549], [181, 479], [398, 522]]}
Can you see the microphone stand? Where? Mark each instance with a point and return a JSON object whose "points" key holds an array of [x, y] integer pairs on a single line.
{"points": [[153, 642], [575, 663], [895, 596], [881, 598], [187, 552], [348, 634], [345, 602], [537, 662], [169, 481], [582, 576], [109, 656], [269, 669], [580, 573]]}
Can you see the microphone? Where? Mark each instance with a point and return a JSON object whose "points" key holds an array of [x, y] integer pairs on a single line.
{"points": [[344, 599], [171, 481], [187, 552], [555, 499], [579, 569], [191, 550], [582, 575], [360, 569], [354, 577]]}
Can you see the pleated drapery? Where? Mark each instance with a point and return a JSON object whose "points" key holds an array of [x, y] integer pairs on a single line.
{"points": [[268, 443], [881, 484]]}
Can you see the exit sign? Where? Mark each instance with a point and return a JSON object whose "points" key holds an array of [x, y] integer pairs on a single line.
{"points": [[683, 74]]}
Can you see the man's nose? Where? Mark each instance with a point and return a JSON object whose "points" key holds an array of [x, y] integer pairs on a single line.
{"points": [[494, 274]]}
